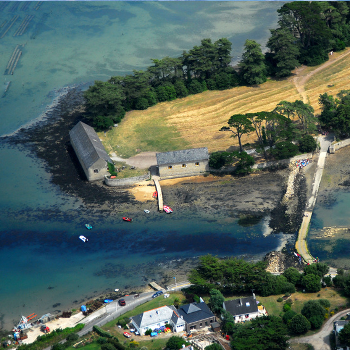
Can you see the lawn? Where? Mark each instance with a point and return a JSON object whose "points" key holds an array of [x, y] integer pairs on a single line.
{"points": [[92, 346], [275, 308]]}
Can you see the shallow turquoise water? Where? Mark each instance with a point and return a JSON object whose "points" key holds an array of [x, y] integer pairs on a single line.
{"points": [[39, 225]]}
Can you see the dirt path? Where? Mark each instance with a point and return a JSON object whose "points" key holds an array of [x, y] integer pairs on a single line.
{"points": [[301, 78], [320, 340]]}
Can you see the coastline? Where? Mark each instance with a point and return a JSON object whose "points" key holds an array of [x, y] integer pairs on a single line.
{"points": [[229, 198]]}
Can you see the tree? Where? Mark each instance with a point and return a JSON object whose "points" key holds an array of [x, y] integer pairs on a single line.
{"points": [[216, 300], [175, 343], [219, 159], [305, 113], [180, 88], [105, 99], [284, 150], [241, 125], [313, 308], [263, 333], [293, 275], [195, 87], [287, 316], [285, 53], [299, 325], [312, 283], [344, 335], [252, 67], [316, 321], [307, 144], [107, 346], [102, 122], [214, 346], [244, 164]]}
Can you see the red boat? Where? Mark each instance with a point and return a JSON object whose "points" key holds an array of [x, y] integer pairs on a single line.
{"points": [[127, 219], [167, 209]]}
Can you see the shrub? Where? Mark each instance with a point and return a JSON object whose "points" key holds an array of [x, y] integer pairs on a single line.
{"points": [[299, 324], [141, 103], [325, 303], [284, 150], [316, 321], [148, 332], [286, 307], [195, 87], [307, 144], [287, 316], [101, 332], [280, 300], [102, 340]]}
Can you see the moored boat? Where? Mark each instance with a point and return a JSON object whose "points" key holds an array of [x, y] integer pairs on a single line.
{"points": [[88, 226], [146, 211], [83, 238], [167, 209], [127, 219]]}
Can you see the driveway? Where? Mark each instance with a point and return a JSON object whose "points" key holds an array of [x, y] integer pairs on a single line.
{"points": [[320, 340]]}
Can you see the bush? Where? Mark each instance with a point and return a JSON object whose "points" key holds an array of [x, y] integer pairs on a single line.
{"points": [[299, 325], [279, 300], [102, 340], [148, 332], [211, 84], [312, 283], [141, 103], [284, 150], [316, 321], [107, 347], [286, 307], [180, 88], [325, 303], [287, 316], [101, 332], [195, 87]]}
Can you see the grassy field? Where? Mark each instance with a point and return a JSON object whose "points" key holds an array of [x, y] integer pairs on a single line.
{"points": [[195, 121], [275, 308]]}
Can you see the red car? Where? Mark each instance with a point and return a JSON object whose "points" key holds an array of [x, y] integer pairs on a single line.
{"points": [[122, 302], [126, 334]]}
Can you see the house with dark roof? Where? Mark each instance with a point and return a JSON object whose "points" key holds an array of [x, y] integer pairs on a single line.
{"points": [[186, 162], [242, 309], [90, 151], [196, 315], [157, 318]]}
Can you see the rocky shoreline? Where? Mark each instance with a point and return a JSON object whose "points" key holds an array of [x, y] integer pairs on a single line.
{"points": [[248, 198]]}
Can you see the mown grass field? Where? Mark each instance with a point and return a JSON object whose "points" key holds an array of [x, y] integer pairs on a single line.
{"points": [[195, 121]]}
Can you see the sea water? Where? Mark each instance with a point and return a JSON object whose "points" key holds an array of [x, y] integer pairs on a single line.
{"points": [[44, 266]]}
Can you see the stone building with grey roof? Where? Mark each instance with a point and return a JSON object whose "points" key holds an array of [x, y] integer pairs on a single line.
{"points": [[186, 162], [90, 151]]}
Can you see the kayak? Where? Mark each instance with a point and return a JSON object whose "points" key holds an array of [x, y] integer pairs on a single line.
{"points": [[83, 238], [88, 226], [127, 219]]}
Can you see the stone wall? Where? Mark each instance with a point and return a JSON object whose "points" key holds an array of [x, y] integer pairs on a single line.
{"points": [[335, 146], [129, 181]]}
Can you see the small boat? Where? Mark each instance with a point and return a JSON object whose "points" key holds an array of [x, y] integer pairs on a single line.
{"points": [[167, 209], [88, 226], [146, 211], [108, 300], [155, 194], [83, 238], [127, 219]]}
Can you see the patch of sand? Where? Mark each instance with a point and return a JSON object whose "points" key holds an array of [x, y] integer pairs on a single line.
{"points": [[58, 323]]}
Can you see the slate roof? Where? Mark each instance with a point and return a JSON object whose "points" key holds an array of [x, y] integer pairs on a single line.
{"points": [[241, 306], [88, 145], [183, 156], [195, 312], [161, 314]]}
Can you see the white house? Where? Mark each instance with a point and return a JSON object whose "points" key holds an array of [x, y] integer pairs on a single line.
{"points": [[159, 317]]}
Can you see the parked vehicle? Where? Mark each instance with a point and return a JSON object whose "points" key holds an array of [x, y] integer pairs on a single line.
{"points": [[157, 294], [122, 302], [126, 334]]}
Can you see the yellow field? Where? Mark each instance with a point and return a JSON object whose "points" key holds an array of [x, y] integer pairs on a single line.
{"points": [[195, 121]]}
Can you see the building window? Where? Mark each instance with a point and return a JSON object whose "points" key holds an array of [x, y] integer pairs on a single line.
{"points": [[200, 325], [170, 167], [95, 171], [184, 165], [206, 323], [196, 163]]}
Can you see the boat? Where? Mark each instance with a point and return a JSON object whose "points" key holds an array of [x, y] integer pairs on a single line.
{"points": [[108, 300], [127, 219], [83, 238], [167, 209], [146, 211], [88, 226]]}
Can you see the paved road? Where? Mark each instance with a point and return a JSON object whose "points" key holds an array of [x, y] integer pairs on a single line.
{"points": [[320, 340]]}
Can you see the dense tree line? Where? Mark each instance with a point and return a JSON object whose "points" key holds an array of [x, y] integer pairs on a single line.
{"points": [[236, 276], [306, 33]]}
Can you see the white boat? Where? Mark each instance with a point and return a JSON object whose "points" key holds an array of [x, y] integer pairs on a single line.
{"points": [[83, 238], [146, 211]]}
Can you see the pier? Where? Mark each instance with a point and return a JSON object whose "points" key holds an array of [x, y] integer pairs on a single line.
{"points": [[159, 192]]}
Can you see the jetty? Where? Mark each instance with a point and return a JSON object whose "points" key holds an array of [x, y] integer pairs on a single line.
{"points": [[301, 244], [156, 286], [156, 179], [7, 86]]}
